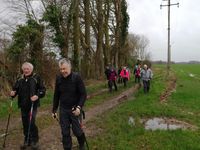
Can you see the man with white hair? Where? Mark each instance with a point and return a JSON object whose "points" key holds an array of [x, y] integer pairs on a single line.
{"points": [[28, 96], [69, 96], [146, 75]]}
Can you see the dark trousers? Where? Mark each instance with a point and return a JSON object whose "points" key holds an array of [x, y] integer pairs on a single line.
{"points": [[119, 80], [68, 120], [137, 79], [33, 134], [146, 85], [110, 85], [125, 81]]}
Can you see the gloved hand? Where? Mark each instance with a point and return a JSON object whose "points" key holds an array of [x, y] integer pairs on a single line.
{"points": [[76, 111], [54, 115]]}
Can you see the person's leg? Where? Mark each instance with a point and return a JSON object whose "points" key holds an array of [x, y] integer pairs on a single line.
{"points": [[124, 80], [145, 86], [65, 129], [115, 85], [148, 86], [139, 79], [34, 131], [78, 132], [110, 85], [25, 123]]}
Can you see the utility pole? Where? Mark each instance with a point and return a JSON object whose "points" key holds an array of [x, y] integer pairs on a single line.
{"points": [[168, 40]]}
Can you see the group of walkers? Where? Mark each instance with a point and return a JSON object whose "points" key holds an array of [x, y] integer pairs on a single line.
{"points": [[123, 76], [69, 97], [141, 74]]}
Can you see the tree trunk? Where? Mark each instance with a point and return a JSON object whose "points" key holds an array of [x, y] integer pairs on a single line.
{"points": [[76, 36], [87, 55], [99, 52], [117, 31], [107, 58]]}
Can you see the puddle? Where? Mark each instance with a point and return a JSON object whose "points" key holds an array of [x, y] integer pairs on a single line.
{"points": [[131, 121], [191, 75], [159, 124], [167, 124]]}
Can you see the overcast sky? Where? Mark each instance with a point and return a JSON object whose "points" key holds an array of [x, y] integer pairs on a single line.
{"points": [[148, 19]]}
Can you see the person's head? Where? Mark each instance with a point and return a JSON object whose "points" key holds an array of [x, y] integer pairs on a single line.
{"points": [[65, 67], [27, 69], [145, 66]]}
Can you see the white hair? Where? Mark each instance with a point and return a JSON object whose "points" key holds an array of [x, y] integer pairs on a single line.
{"points": [[27, 64], [64, 61], [145, 66]]}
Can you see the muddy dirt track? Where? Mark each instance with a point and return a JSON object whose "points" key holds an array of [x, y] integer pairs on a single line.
{"points": [[49, 129]]}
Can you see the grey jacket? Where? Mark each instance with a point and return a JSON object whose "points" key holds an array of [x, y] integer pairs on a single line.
{"points": [[146, 75]]}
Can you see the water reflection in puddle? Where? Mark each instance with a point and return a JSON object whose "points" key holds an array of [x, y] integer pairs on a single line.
{"points": [[160, 124]]}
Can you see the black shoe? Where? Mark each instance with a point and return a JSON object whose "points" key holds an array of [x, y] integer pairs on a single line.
{"points": [[24, 146], [35, 146], [82, 147]]}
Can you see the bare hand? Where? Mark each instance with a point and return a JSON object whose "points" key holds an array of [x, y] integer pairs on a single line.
{"points": [[12, 93], [34, 98]]}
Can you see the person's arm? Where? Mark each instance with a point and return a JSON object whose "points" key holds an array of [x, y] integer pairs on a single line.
{"points": [[151, 74], [33, 89], [15, 89], [82, 92], [56, 96]]}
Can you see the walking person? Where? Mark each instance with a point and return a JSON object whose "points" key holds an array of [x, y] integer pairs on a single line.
{"points": [[107, 73], [125, 75], [112, 79], [69, 96], [26, 87], [119, 76], [146, 75], [137, 73]]}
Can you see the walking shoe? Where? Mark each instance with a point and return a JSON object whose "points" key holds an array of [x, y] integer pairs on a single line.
{"points": [[35, 146], [24, 146], [82, 147]]}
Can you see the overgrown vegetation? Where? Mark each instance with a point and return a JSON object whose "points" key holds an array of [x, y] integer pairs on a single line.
{"points": [[183, 104], [92, 34]]}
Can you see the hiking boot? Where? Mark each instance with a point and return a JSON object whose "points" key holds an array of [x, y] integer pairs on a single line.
{"points": [[82, 147], [81, 141], [24, 146], [35, 146]]}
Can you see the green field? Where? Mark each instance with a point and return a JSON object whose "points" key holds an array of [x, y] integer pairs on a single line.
{"points": [[183, 104], [113, 129]]}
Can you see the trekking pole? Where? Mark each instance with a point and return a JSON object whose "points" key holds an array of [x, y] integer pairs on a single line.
{"points": [[6, 133], [30, 120], [82, 116]]}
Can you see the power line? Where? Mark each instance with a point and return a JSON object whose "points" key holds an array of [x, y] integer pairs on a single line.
{"points": [[168, 42]]}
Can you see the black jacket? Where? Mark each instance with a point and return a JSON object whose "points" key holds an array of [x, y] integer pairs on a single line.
{"points": [[69, 92], [25, 88]]}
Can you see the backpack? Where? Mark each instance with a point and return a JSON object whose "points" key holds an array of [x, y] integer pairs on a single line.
{"points": [[41, 89]]}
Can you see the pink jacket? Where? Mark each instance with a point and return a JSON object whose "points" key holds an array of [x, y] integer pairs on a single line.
{"points": [[125, 74]]}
